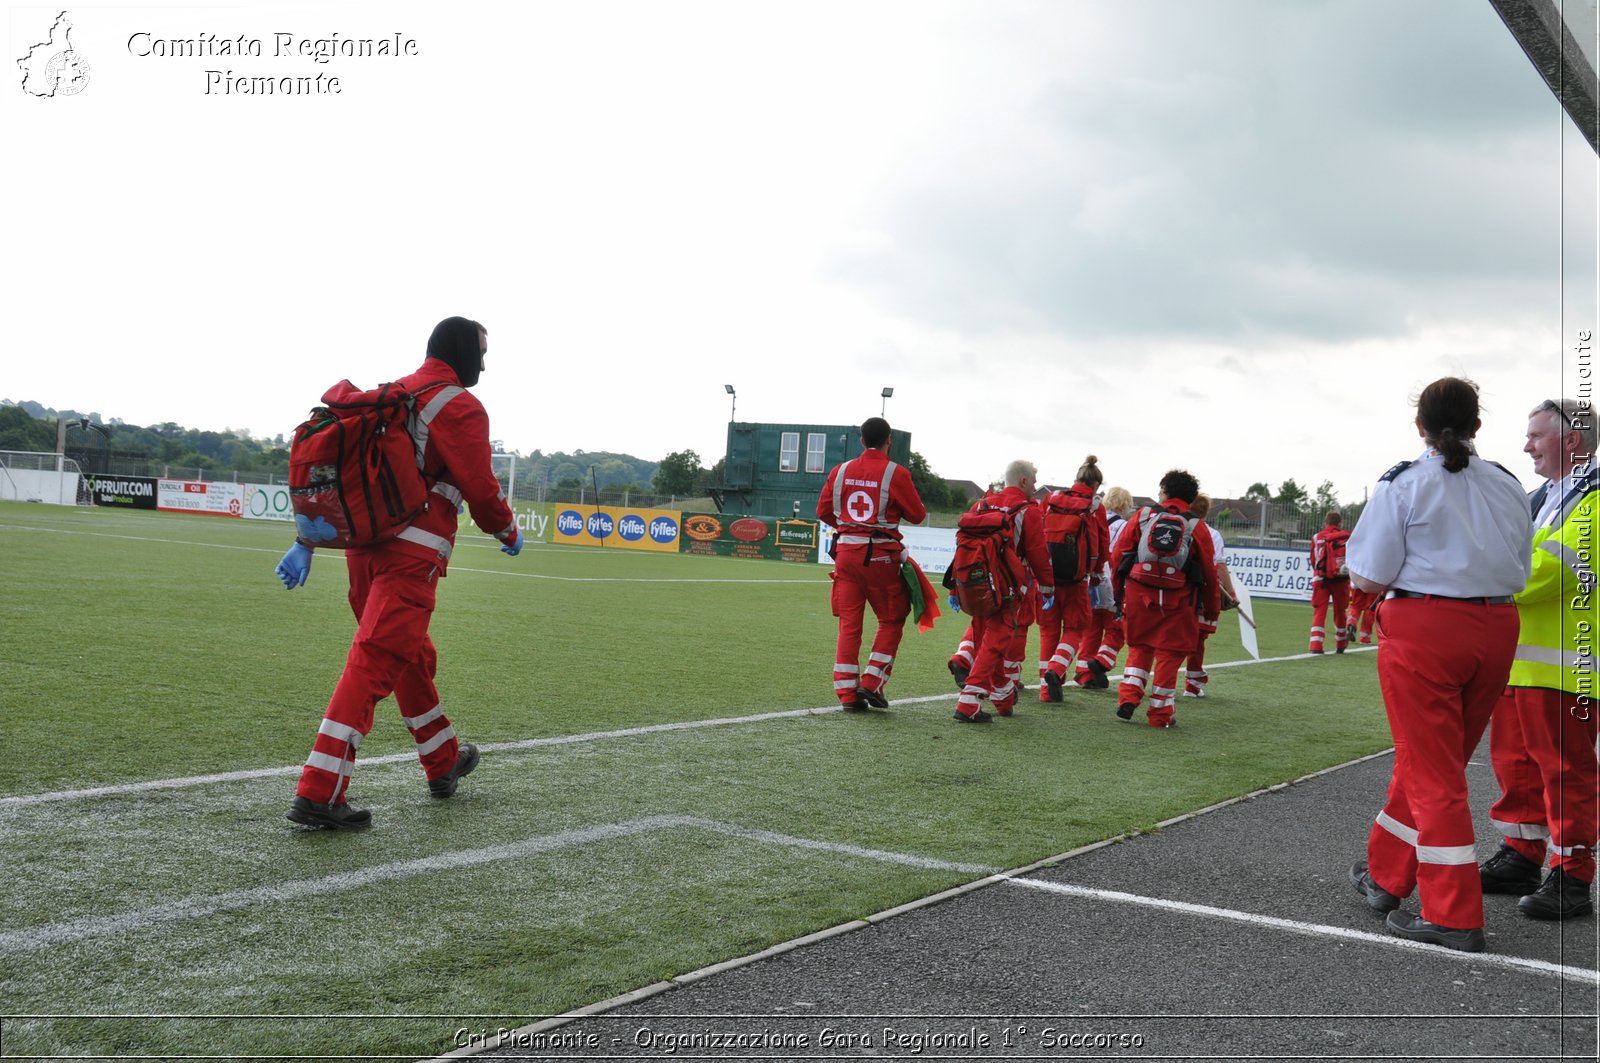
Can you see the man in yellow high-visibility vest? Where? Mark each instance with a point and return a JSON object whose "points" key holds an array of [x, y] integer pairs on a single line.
{"points": [[1542, 736]]}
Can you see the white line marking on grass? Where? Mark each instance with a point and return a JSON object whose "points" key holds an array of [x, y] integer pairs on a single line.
{"points": [[119, 789], [881, 855], [1295, 926], [628, 579], [52, 934], [137, 538], [184, 782]]}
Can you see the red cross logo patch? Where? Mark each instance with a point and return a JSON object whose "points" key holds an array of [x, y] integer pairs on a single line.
{"points": [[861, 507]]}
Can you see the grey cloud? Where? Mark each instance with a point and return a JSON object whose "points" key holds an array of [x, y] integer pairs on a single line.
{"points": [[1329, 171]]}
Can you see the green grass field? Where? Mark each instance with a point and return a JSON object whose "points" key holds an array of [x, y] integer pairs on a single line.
{"points": [[139, 647]]}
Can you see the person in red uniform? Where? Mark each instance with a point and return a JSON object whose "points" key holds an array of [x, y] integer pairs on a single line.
{"points": [[1542, 735], [1097, 656], [1195, 676], [865, 499], [393, 587], [1358, 625], [1446, 540], [1327, 585], [1166, 586], [1065, 623], [1001, 640]]}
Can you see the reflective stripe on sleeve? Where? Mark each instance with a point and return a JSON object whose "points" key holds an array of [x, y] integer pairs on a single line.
{"points": [[1575, 562], [449, 492], [419, 427]]}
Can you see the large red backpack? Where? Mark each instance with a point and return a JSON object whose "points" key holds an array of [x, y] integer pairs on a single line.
{"points": [[1329, 559], [1066, 532], [986, 572], [1165, 556], [355, 470]]}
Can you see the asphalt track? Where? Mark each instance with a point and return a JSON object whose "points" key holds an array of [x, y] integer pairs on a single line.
{"points": [[1231, 934]]}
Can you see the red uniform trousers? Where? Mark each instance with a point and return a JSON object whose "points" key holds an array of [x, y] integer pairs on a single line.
{"points": [[867, 574], [1062, 636], [1001, 640], [1442, 665], [1195, 676], [1162, 629], [1326, 590], [1362, 604], [1541, 742], [1101, 643], [392, 595], [965, 650]]}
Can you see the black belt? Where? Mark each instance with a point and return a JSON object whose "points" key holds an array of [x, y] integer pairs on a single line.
{"points": [[1486, 599]]}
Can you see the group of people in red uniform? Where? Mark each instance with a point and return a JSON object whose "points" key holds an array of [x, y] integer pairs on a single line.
{"points": [[1484, 600], [1439, 563], [1146, 579]]}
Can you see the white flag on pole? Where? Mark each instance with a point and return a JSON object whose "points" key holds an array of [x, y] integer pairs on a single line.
{"points": [[1247, 622]]}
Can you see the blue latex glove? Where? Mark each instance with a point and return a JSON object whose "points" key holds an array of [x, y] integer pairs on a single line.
{"points": [[955, 603], [295, 568], [1050, 602], [514, 547]]}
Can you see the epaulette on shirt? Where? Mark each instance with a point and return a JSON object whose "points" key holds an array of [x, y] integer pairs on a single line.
{"points": [[1505, 470], [1396, 471]]}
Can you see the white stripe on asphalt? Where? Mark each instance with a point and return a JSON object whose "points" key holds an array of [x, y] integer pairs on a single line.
{"points": [[51, 934], [1294, 926]]}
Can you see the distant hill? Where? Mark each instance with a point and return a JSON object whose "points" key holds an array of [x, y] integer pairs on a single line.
{"points": [[230, 449]]}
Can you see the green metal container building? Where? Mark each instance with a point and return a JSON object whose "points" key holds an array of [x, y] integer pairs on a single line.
{"points": [[777, 470]]}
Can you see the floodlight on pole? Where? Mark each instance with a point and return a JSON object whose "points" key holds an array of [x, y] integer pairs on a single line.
{"points": [[887, 394], [729, 389]]}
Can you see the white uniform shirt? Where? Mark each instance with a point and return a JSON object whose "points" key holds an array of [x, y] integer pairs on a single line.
{"points": [[1219, 551], [1457, 534]]}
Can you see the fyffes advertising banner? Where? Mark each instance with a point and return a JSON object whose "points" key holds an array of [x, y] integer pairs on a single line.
{"points": [[766, 538], [615, 528]]}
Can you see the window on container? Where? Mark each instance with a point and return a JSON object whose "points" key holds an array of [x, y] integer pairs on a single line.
{"points": [[816, 448], [789, 452]]}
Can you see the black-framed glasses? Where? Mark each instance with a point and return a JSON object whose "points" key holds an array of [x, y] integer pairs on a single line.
{"points": [[1552, 404]]}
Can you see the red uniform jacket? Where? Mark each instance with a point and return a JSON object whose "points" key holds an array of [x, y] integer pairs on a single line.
{"points": [[1166, 619], [1320, 544], [867, 497], [456, 465]]}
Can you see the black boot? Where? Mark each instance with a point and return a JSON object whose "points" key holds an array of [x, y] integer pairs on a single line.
{"points": [[1560, 897], [333, 817], [466, 760]]}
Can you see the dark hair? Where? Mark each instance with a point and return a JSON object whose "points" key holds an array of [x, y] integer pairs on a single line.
{"points": [[1090, 472], [874, 431], [1333, 518], [1447, 410], [1179, 484]]}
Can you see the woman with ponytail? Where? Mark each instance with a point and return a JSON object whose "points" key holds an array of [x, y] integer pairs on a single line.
{"points": [[1445, 541]]}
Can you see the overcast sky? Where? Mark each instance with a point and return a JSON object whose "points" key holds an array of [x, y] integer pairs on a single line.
{"points": [[1233, 236]]}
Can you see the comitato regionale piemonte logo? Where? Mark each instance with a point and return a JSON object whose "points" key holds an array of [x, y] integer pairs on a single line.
{"points": [[53, 67]]}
